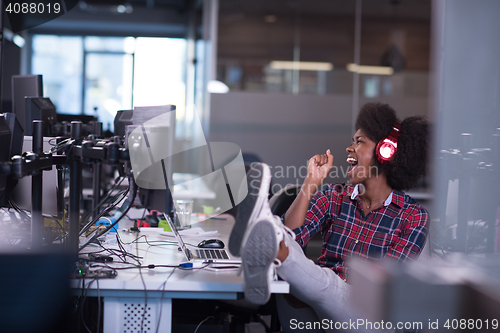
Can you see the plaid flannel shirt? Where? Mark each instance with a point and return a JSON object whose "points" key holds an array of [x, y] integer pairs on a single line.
{"points": [[397, 229]]}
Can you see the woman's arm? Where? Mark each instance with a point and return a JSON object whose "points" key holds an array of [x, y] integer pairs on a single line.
{"points": [[317, 170], [413, 237]]}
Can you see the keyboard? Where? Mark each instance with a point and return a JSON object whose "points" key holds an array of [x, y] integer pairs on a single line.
{"points": [[211, 254]]}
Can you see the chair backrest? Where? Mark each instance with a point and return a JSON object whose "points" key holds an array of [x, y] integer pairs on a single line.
{"points": [[282, 199]]}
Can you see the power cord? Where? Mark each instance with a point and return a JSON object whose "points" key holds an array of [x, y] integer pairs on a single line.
{"points": [[204, 320], [83, 303], [161, 299], [133, 188], [98, 307]]}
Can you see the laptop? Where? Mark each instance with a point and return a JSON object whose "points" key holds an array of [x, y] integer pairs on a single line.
{"points": [[206, 255]]}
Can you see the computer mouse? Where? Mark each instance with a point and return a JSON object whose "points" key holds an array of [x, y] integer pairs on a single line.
{"points": [[211, 244]]}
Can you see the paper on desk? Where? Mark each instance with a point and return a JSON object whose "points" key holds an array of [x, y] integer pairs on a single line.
{"points": [[193, 232]]}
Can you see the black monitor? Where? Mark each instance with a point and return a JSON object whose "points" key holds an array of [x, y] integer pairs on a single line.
{"points": [[11, 138], [85, 119], [22, 86], [160, 200], [5, 139], [39, 108], [17, 134], [122, 119], [153, 199]]}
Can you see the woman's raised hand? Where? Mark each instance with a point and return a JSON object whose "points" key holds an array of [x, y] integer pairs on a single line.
{"points": [[318, 168]]}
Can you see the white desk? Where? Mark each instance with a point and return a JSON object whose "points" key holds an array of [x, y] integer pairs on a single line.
{"points": [[125, 296]]}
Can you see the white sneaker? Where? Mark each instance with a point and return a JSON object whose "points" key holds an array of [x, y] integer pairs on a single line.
{"points": [[258, 255], [250, 209]]}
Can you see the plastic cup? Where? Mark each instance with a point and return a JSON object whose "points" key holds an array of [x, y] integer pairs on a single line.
{"points": [[183, 210]]}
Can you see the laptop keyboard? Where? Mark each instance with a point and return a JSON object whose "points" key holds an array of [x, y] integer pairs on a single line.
{"points": [[211, 254]]}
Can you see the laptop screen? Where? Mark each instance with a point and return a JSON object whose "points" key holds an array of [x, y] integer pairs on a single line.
{"points": [[178, 237]]}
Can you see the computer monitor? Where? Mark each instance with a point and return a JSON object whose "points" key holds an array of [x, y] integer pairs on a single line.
{"points": [[75, 117], [154, 135], [16, 144], [160, 200], [22, 86], [39, 108], [123, 118], [5, 138], [11, 135]]}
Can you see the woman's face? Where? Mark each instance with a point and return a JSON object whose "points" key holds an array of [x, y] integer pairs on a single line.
{"points": [[360, 156]]}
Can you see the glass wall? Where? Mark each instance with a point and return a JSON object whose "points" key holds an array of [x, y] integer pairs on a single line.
{"points": [[100, 75], [309, 47], [299, 71], [60, 61]]}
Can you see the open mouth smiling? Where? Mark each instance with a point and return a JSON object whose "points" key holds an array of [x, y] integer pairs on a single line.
{"points": [[353, 162]]}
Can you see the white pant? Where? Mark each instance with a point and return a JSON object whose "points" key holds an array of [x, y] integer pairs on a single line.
{"points": [[320, 287]]}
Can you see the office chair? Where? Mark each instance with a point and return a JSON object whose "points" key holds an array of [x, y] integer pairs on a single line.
{"points": [[281, 200], [249, 158]]}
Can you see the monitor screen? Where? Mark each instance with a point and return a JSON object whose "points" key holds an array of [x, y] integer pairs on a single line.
{"points": [[23, 86], [39, 108], [151, 146], [10, 137], [85, 119], [5, 139], [122, 119]]}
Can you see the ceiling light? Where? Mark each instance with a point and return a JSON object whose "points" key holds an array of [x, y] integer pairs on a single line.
{"points": [[124, 9], [18, 40], [302, 65], [217, 87], [375, 70], [14, 38], [108, 6], [121, 9]]}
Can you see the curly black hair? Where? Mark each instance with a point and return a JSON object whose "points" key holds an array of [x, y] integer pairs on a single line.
{"points": [[409, 162]]}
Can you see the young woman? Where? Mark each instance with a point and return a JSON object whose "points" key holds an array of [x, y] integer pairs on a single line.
{"points": [[368, 218]]}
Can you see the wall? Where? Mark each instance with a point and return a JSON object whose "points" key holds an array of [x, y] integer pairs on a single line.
{"points": [[286, 130], [317, 30]]}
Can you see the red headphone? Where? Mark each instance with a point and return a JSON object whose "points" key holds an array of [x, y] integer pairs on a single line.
{"points": [[387, 147]]}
